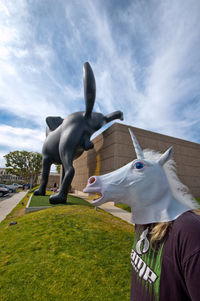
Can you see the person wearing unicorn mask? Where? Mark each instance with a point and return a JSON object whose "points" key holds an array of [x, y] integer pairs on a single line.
{"points": [[165, 257]]}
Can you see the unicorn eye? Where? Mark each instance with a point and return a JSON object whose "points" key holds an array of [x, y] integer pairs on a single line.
{"points": [[138, 165]]}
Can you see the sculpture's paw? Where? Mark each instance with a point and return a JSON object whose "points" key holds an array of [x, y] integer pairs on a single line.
{"points": [[39, 192], [57, 199]]}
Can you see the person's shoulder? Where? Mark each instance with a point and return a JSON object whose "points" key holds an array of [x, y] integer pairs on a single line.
{"points": [[187, 222], [185, 233]]}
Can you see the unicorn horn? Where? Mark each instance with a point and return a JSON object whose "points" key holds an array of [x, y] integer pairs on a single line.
{"points": [[138, 150]]}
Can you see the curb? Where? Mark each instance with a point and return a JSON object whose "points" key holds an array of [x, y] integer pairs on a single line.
{"points": [[33, 209]]}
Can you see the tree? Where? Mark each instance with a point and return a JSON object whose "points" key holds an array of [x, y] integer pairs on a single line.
{"points": [[58, 167], [25, 164]]}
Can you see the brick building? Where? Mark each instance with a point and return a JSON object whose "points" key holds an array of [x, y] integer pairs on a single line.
{"points": [[6, 177], [53, 178], [113, 149]]}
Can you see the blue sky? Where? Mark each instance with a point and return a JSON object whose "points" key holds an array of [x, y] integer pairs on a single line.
{"points": [[145, 56]]}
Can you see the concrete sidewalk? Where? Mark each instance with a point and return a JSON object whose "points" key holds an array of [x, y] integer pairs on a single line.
{"points": [[8, 203], [109, 207]]}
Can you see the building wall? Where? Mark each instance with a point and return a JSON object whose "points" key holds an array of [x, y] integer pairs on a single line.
{"points": [[113, 149], [53, 178], [6, 177]]}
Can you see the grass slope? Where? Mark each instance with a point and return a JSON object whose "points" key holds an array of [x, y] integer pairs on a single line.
{"points": [[38, 201], [19, 210], [65, 253]]}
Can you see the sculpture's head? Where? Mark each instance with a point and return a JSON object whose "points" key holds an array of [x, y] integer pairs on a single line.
{"points": [[95, 120]]}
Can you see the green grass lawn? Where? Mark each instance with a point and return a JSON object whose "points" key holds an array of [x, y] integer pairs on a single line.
{"points": [[65, 253], [124, 207], [198, 200], [38, 201]]}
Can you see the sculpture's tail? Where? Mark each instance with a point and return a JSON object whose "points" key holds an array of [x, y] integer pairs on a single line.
{"points": [[89, 88]]}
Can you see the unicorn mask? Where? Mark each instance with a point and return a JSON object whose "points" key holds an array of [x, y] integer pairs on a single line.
{"points": [[148, 185]]}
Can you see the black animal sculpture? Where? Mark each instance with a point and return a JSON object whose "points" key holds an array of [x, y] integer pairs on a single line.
{"points": [[68, 138]]}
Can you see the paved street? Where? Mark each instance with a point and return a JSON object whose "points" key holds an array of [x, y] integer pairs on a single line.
{"points": [[9, 202]]}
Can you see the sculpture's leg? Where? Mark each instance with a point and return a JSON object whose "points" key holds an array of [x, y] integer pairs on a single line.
{"points": [[61, 197], [46, 165], [63, 173], [87, 144]]}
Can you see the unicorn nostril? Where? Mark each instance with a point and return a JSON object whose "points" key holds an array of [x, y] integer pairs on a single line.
{"points": [[92, 180]]}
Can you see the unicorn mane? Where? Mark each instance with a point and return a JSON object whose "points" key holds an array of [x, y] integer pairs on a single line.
{"points": [[179, 191]]}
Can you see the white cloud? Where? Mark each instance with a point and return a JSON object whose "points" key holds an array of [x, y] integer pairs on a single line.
{"points": [[13, 138], [172, 78], [21, 138], [28, 84], [170, 35], [2, 160], [3, 52]]}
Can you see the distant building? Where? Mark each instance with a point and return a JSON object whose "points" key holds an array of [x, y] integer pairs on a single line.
{"points": [[113, 149], [53, 178], [7, 177]]}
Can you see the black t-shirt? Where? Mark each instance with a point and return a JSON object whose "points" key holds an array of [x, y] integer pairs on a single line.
{"points": [[168, 270]]}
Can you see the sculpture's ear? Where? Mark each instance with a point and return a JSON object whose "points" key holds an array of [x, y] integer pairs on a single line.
{"points": [[166, 156], [53, 122], [89, 88]]}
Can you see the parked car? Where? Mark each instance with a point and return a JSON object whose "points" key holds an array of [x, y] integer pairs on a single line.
{"points": [[17, 185], [3, 191], [11, 188]]}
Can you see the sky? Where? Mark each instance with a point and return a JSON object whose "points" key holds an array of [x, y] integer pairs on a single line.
{"points": [[145, 56]]}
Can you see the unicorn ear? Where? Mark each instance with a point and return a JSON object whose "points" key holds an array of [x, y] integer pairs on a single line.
{"points": [[138, 150], [166, 156]]}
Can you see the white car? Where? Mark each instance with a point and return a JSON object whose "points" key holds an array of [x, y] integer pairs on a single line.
{"points": [[11, 188], [3, 191], [17, 185]]}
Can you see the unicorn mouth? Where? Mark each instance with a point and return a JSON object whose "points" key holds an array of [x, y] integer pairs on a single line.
{"points": [[98, 198], [94, 187]]}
